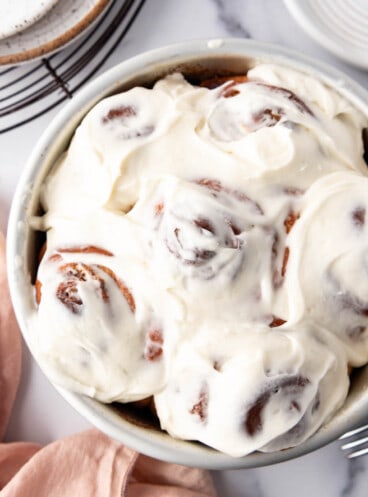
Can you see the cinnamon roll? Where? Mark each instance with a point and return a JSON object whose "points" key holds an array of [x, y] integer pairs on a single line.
{"points": [[329, 252], [95, 314], [278, 403]]}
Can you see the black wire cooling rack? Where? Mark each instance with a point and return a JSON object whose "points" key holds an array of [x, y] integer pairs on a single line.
{"points": [[29, 91]]}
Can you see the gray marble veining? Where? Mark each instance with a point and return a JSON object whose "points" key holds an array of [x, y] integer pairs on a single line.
{"points": [[356, 477], [230, 21]]}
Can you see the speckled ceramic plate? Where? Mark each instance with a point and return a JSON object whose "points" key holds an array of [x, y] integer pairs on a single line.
{"points": [[67, 20], [18, 15], [340, 26]]}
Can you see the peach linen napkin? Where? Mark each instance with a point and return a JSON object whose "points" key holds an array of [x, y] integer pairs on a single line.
{"points": [[88, 464]]}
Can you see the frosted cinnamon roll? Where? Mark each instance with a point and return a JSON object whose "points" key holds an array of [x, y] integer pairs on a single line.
{"points": [[204, 238], [329, 258], [115, 128], [279, 131], [242, 396], [95, 313], [201, 226]]}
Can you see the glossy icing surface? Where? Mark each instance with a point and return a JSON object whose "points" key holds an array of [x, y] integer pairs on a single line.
{"points": [[193, 254]]}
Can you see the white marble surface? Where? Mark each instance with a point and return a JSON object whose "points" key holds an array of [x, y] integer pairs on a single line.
{"points": [[40, 414]]}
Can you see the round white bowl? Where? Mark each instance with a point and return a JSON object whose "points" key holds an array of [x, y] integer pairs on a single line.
{"points": [[229, 56]]}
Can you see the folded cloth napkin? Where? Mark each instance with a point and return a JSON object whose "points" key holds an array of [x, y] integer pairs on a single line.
{"points": [[87, 464]]}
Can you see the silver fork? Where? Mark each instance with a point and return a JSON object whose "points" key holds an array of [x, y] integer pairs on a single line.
{"points": [[359, 442]]}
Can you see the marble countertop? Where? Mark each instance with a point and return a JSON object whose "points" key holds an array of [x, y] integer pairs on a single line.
{"points": [[40, 414]]}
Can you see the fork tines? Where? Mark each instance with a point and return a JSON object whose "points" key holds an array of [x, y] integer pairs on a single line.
{"points": [[356, 442]]}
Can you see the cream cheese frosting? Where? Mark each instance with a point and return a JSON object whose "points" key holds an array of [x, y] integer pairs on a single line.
{"points": [[209, 248]]}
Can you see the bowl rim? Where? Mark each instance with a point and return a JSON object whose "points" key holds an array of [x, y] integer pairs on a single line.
{"points": [[160, 445]]}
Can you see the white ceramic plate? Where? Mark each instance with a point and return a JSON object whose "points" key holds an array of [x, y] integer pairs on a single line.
{"points": [[18, 15], [67, 20], [340, 26]]}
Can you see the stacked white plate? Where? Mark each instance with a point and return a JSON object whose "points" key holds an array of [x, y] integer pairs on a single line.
{"points": [[340, 26], [31, 29], [18, 15]]}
